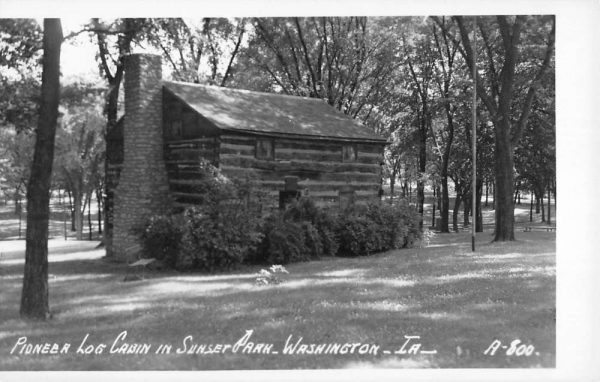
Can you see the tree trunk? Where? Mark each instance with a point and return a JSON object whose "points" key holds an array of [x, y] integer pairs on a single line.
{"points": [[457, 202], [504, 214], [433, 209], [466, 210], [17, 201], [478, 218], [531, 207], [114, 152], [487, 187], [78, 214], [549, 212], [445, 211], [71, 210], [542, 206], [89, 210], [34, 297], [392, 186], [493, 195], [537, 203], [554, 192], [422, 163], [99, 203]]}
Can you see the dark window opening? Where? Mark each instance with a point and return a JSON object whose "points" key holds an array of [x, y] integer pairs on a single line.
{"points": [[265, 149], [349, 153]]}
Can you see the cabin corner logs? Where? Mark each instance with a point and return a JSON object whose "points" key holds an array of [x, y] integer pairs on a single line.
{"points": [[164, 140]]}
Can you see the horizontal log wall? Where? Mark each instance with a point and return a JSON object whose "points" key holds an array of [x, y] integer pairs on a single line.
{"points": [[182, 158], [318, 166]]}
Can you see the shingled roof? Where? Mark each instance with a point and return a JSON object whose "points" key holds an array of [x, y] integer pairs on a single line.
{"points": [[268, 113]]}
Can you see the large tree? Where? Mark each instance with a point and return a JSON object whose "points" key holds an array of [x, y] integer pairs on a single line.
{"points": [[34, 298], [508, 88], [446, 80], [419, 64]]}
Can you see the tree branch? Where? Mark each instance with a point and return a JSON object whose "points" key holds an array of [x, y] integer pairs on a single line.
{"points": [[469, 58], [526, 109], [235, 50], [306, 57]]}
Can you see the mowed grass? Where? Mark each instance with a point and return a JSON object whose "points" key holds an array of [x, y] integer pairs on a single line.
{"points": [[456, 301]]}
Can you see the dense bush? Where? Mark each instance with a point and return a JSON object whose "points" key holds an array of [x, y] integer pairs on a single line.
{"points": [[377, 227], [217, 240], [327, 224], [284, 242], [222, 232], [324, 222], [411, 220], [218, 234], [312, 240], [161, 238], [303, 209], [357, 235], [390, 225]]}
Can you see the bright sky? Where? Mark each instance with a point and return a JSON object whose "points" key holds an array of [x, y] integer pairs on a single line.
{"points": [[77, 55]]}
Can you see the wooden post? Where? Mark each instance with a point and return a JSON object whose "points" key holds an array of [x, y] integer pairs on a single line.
{"points": [[474, 134]]}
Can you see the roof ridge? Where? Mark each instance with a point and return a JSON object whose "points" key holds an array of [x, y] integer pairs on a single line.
{"points": [[244, 90]]}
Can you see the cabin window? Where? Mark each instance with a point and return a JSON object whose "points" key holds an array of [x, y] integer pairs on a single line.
{"points": [[349, 153], [265, 149]]}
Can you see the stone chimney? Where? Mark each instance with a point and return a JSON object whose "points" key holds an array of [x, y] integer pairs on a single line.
{"points": [[143, 188]]}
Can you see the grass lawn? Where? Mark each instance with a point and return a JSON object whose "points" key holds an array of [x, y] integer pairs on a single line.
{"points": [[456, 301]]}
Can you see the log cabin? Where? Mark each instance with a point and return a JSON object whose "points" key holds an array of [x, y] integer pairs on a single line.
{"points": [[268, 138], [285, 145]]}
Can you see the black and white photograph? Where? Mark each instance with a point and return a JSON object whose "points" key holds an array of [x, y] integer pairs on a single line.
{"points": [[261, 191]]}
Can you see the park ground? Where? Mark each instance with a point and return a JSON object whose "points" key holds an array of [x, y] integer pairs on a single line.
{"points": [[457, 301]]}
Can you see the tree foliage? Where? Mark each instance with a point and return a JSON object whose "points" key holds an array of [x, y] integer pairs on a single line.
{"points": [[80, 147]]}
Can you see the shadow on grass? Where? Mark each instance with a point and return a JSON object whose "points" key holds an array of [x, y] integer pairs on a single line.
{"points": [[446, 295]]}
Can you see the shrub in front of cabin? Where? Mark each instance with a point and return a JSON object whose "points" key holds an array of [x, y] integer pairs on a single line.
{"points": [[284, 242], [323, 221], [357, 236], [412, 221], [389, 223], [220, 233], [312, 240], [160, 238], [214, 241], [364, 230], [327, 225], [302, 209]]}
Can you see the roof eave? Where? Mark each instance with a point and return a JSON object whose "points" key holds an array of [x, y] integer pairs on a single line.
{"points": [[306, 136]]}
